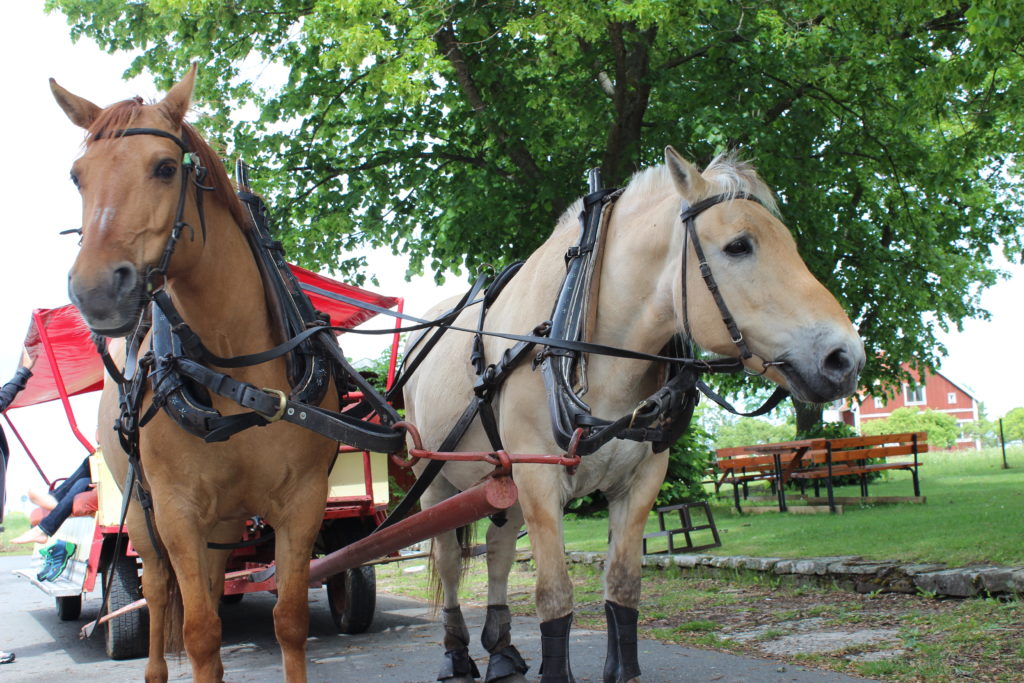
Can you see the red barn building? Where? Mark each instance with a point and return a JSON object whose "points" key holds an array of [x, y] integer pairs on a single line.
{"points": [[937, 393]]}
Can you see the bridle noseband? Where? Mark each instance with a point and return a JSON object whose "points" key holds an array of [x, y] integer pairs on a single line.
{"points": [[189, 165], [688, 215]]}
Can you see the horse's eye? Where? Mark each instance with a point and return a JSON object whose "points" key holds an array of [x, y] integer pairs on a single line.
{"points": [[74, 179], [739, 247], [165, 170]]}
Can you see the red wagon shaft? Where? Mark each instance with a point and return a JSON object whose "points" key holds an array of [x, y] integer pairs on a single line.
{"points": [[493, 495]]}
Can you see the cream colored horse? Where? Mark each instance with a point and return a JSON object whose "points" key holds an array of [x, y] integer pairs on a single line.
{"points": [[784, 313], [130, 188]]}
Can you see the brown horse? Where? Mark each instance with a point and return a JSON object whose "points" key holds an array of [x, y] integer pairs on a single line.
{"points": [[131, 187], [645, 293]]}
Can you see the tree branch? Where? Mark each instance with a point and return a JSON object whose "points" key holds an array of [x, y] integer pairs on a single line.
{"points": [[516, 150]]}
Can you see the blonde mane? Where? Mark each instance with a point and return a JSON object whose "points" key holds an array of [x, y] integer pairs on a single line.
{"points": [[726, 174]]}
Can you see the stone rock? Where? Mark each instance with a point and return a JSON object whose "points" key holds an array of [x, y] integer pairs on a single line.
{"points": [[818, 566], [958, 583], [690, 561], [827, 641], [785, 566], [760, 564], [999, 580]]}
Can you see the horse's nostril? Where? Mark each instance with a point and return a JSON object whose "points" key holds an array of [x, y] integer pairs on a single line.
{"points": [[124, 278], [838, 363]]}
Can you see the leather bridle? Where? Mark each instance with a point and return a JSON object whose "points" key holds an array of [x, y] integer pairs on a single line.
{"points": [[191, 170], [688, 215]]}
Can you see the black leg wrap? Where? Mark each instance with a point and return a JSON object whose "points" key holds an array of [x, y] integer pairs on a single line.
{"points": [[497, 640], [554, 642], [621, 664], [457, 662]]}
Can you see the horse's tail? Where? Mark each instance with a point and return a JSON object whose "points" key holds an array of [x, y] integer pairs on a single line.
{"points": [[466, 536], [174, 616]]}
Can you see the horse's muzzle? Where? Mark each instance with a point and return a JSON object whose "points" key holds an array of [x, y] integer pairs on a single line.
{"points": [[110, 301], [826, 368]]}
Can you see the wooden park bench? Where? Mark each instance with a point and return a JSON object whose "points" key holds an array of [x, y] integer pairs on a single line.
{"points": [[861, 456], [774, 463]]}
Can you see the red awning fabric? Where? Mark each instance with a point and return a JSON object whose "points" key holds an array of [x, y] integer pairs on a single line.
{"points": [[71, 353], [342, 314], [80, 367]]}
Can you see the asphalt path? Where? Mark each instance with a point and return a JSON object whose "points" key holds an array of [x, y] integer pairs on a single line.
{"points": [[402, 646]]}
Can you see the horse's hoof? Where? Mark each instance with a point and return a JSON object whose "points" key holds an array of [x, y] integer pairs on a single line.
{"points": [[511, 678]]}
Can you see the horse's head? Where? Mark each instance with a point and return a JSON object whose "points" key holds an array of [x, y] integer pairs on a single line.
{"points": [[783, 313], [130, 186]]}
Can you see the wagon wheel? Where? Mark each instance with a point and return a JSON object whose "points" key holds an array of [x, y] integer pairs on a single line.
{"points": [[352, 594], [126, 636], [69, 607], [352, 597]]}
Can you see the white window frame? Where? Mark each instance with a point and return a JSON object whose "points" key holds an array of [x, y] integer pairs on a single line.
{"points": [[879, 401], [908, 391], [951, 397]]}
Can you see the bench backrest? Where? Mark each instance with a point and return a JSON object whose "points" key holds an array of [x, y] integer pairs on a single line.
{"points": [[759, 456], [843, 450]]}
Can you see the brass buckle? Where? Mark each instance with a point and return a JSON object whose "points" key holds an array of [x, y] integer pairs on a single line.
{"points": [[640, 406], [282, 405]]}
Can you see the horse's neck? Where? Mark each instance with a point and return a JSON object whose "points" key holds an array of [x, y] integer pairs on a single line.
{"points": [[222, 297], [640, 281]]}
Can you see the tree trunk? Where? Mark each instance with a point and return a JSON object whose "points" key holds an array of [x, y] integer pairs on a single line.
{"points": [[808, 416], [632, 88]]}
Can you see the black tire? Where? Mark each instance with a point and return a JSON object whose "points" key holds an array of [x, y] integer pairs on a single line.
{"points": [[69, 607], [126, 636], [352, 597]]}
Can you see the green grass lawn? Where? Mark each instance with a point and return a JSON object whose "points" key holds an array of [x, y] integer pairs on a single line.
{"points": [[974, 513], [15, 524]]}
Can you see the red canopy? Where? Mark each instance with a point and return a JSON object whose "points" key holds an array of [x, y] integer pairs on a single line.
{"points": [[59, 339]]}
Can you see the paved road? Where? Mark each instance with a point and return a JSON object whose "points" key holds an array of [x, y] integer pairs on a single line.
{"points": [[403, 646]]}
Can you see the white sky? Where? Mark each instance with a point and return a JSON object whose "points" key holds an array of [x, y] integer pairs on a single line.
{"points": [[39, 201]]}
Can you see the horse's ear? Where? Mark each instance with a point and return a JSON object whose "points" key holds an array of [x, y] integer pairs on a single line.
{"points": [[81, 111], [688, 180], [178, 98]]}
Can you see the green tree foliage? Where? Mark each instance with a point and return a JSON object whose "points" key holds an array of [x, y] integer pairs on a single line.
{"points": [[828, 430], [748, 431], [1013, 425], [454, 132], [941, 427], [689, 460]]}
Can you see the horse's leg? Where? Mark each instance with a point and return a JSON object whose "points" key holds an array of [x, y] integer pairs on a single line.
{"points": [[295, 530], [201, 627], [505, 665], [446, 556], [542, 500], [627, 515], [156, 586]]}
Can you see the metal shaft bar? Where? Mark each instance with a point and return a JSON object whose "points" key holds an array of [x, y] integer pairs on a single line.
{"points": [[485, 499]]}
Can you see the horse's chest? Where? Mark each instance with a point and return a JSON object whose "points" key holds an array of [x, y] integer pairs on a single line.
{"points": [[612, 468]]}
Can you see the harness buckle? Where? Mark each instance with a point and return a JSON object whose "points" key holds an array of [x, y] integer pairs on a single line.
{"points": [[640, 406], [282, 404]]}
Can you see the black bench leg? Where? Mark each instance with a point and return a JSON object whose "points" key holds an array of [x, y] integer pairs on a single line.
{"points": [[864, 485], [917, 483], [736, 496]]}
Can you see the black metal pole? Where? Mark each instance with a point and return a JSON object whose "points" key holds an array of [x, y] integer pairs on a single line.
{"points": [[1002, 442]]}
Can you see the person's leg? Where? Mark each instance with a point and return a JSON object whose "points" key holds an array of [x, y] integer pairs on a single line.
{"points": [[51, 522], [82, 473], [42, 498]]}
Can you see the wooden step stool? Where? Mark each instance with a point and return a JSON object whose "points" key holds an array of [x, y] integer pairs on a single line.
{"points": [[686, 528]]}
